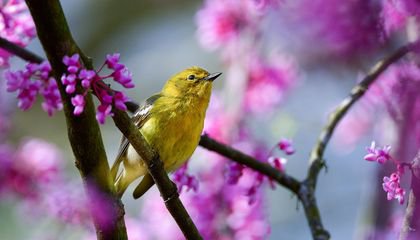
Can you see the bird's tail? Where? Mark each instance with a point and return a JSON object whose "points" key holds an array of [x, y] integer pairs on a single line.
{"points": [[145, 184]]}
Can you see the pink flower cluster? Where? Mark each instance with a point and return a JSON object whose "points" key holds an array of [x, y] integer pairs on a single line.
{"points": [[16, 25], [91, 80], [33, 80], [396, 12], [183, 179], [33, 175], [340, 29], [286, 146], [392, 187], [380, 155], [222, 22], [235, 171], [268, 80], [29, 168]]}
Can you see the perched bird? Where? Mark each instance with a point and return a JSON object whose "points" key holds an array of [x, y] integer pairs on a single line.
{"points": [[171, 122]]}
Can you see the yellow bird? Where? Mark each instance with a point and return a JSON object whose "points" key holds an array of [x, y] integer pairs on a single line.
{"points": [[171, 122]]}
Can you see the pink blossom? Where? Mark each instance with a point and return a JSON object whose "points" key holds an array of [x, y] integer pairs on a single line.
{"points": [[16, 25], [234, 172], [112, 61], [30, 82], [102, 112], [86, 76], [123, 77], [341, 29], [72, 61], [34, 165], [221, 22], [70, 82], [78, 101], [396, 12], [377, 154], [394, 15], [278, 163], [119, 100], [268, 80], [91, 80], [183, 179], [393, 189], [286, 146], [52, 98], [66, 203]]}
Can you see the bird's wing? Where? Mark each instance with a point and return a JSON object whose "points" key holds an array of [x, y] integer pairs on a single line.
{"points": [[139, 118]]}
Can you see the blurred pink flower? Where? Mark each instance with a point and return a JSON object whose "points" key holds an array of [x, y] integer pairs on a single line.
{"points": [[16, 25], [342, 29], [220, 22], [394, 15], [396, 12], [184, 180], [394, 96], [67, 203], [286, 146], [268, 81], [377, 154], [33, 166]]}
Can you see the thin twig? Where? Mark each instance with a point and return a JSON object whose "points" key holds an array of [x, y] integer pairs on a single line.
{"points": [[317, 155], [282, 178], [19, 51]]}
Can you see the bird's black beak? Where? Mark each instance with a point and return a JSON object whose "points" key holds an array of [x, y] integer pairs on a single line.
{"points": [[212, 76]]}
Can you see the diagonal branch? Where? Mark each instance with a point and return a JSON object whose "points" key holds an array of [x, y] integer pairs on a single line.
{"points": [[317, 155], [19, 51], [283, 179]]}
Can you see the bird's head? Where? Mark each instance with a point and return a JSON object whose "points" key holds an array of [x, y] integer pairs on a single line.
{"points": [[191, 82]]}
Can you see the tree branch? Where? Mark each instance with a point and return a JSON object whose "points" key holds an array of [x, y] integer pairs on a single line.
{"points": [[306, 195], [19, 51], [281, 178], [83, 131], [317, 155], [411, 224]]}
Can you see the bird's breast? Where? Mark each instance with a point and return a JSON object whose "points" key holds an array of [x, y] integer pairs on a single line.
{"points": [[174, 134]]}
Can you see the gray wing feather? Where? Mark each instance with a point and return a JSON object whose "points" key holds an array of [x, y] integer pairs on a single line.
{"points": [[139, 118]]}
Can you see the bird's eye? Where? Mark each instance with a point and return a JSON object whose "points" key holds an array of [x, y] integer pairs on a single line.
{"points": [[191, 77]]}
